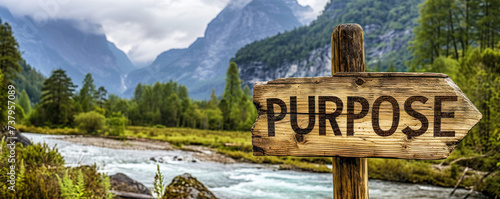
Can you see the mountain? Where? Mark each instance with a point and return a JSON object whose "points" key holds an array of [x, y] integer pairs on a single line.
{"points": [[202, 66], [64, 44], [305, 14], [305, 51]]}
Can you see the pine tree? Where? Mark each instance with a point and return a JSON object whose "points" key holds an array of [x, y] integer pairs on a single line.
{"points": [[24, 102], [9, 53], [212, 103], [57, 93], [101, 96], [3, 97], [489, 25], [232, 95], [9, 63], [449, 28], [31, 81], [138, 92], [248, 112], [391, 68], [429, 34], [87, 93], [226, 112]]}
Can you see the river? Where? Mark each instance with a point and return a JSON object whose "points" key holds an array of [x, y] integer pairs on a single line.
{"points": [[234, 181]]}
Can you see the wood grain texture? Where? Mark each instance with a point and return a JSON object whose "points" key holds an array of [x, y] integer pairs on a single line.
{"points": [[364, 142], [350, 175], [348, 52]]}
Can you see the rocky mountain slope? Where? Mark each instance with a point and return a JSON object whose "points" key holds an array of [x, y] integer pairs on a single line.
{"points": [[202, 66], [305, 52], [63, 44]]}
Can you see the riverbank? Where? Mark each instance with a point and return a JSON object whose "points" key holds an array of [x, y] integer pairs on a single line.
{"points": [[199, 152], [237, 146]]}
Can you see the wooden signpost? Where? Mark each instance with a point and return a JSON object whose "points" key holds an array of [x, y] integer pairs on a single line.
{"points": [[355, 115]]}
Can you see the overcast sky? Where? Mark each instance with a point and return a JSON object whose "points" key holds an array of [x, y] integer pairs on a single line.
{"points": [[141, 28]]}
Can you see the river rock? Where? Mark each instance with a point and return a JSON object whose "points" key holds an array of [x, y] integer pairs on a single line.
{"points": [[186, 186], [121, 182], [20, 138]]}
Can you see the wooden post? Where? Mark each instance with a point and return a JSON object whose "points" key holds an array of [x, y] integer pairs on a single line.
{"points": [[350, 175]]}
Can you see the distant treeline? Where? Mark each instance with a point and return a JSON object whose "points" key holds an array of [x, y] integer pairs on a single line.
{"points": [[162, 104], [168, 104], [56, 102]]}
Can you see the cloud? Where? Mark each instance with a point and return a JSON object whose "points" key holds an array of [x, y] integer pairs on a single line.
{"points": [[143, 29], [316, 5]]}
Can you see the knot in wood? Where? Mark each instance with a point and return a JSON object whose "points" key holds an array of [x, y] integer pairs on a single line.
{"points": [[299, 137], [360, 81]]}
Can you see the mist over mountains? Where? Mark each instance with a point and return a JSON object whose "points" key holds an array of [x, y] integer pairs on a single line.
{"points": [[59, 43], [268, 39], [62, 44], [202, 66]]}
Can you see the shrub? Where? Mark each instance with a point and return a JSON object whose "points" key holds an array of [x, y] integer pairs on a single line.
{"points": [[37, 168], [90, 122], [116, 126]]}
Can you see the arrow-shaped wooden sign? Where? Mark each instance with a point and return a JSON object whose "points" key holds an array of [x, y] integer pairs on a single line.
{"points": [[393, 115]]}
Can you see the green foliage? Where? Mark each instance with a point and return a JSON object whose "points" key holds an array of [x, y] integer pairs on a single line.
{"points": [[69, 189], [158, 104], [101, 96], [449, 28], [107, 186], [38, 167], [3, 96], [458, 37], [9, 53], [46, 130], [298, 44], [115, 104], [91, 122], [391, 68], [232, 96], [57, 106], [214, 101], [158, 183], [30, 81], [20, 114], [87, 94], [477, 73], [479, 77], [40, 154], [24, 102], [168, 104], [413, 171], [9, 63], [116, 125], [238, 111]]}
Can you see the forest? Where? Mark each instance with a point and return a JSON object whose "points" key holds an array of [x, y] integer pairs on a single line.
{"points": [[460, 38], [162, 104], [299, 43]]}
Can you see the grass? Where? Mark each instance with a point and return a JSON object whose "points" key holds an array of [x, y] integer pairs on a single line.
{"points": [[47, 130]]}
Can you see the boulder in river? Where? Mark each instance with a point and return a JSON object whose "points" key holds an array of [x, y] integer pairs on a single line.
{"points": [[186, 186], [121, 182], [19, 137]]}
